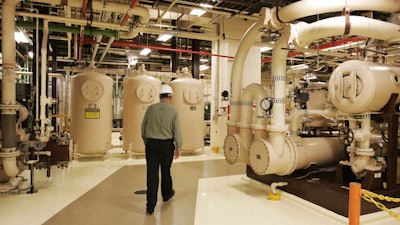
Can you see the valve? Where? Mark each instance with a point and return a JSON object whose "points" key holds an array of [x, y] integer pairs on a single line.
{"points": [[346, 135], [275, 195]]}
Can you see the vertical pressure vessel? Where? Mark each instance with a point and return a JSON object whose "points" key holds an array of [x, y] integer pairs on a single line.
{"points": [[91, 112], [140, 91], [189, 101]]}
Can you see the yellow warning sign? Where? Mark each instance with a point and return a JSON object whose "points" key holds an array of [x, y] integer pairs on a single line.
{"points": [[92, 113]]}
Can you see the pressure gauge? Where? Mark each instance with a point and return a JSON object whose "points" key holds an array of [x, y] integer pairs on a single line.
{"points": [[146, 92], [92, 90], [266, 104], [192, 95]]}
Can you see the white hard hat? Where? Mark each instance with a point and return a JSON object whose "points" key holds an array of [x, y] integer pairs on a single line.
{"points": [[166, 89]]}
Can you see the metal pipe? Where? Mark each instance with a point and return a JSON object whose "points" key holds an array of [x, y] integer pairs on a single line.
{"points": [[9, 150], [159, 18], [110, 42], [127, 14], [237, 68], [43, 78]]}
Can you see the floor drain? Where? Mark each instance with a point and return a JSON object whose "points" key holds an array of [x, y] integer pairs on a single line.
{"points": [[140, 192]]}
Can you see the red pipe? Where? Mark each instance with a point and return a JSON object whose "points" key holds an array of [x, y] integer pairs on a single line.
{"points": [[320, 47], [84, 4], [131, 7], [162, 48], [81, 40]]}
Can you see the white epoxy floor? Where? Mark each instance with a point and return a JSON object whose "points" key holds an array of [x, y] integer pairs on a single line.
{"points": [[238, 200], [226, 200]]}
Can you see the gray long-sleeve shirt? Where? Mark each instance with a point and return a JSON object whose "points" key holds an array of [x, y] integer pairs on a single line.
{"points": [[161, 121]]}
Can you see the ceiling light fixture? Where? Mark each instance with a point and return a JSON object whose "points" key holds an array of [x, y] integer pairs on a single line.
{"points": [[265, 49], [197, 12], [205, 5], [164, 37], [203, 67], [145, 51], [20, 37]]}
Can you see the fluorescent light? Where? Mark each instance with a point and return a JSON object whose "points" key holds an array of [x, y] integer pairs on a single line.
{"points": [[164, 37], [20, 37], [203, 60], [299, 67], [203, 67], [309, 76], [197, 12], [265, 49], [145, 51], [205, 5]]}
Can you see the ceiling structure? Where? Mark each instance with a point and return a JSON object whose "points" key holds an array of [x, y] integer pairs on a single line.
{"points": [[113, 39]]}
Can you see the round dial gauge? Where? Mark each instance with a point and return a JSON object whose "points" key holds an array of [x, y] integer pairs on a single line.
{"points": [[146, 92], [92, 90], [192, 95], [266, 104]]}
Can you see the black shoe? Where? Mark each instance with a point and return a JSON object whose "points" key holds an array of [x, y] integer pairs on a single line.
{"points": [[169, 197], [149, 211]]}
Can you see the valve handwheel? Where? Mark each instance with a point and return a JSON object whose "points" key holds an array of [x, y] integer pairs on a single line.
{"points": [[346, 135]]}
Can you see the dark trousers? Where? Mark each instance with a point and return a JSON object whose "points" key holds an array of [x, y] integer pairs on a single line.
{"points": [[159, 153]]}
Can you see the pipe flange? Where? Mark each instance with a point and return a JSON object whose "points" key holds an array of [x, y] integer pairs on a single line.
{"points": [[259, 156], [232, 150], [9, 154], [365, 152], [13, 107]]}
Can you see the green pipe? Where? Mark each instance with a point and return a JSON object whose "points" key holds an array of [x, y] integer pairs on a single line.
{"points": [[58, 27]]}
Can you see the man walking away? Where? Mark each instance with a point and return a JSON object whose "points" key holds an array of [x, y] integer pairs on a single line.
{"points": [[162, 135]]}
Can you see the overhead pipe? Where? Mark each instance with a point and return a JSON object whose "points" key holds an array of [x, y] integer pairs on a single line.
{"points": [[321, 47], [127, 14], [58, 27], [116, 27], [99, 38], [9, 152], [360, 25], [84, 5], [109, 44], [135, 45], [159, 18], [301, 9]]}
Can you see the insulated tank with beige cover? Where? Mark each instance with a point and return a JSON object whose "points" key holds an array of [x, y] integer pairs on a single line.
{"points": [[189, 101], [140, 91], [91, 112], [358, 86]]}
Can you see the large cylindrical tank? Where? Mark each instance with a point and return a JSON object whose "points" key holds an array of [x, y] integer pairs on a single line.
{"points": [[189, 101], [358, 86], [91, 112], [139, 92]]}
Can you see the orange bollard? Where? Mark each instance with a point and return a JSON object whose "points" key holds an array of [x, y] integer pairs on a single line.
{"points": [[354, 203]]}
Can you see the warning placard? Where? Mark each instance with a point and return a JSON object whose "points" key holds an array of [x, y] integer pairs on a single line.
{"points": [[92, 113]]}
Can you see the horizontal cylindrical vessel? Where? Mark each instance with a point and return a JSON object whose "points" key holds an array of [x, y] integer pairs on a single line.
{"points": [[358, 87], [91, 112], [299, 153]]}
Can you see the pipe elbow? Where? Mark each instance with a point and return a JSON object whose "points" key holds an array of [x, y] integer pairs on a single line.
{"points": [[10, 166]]}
